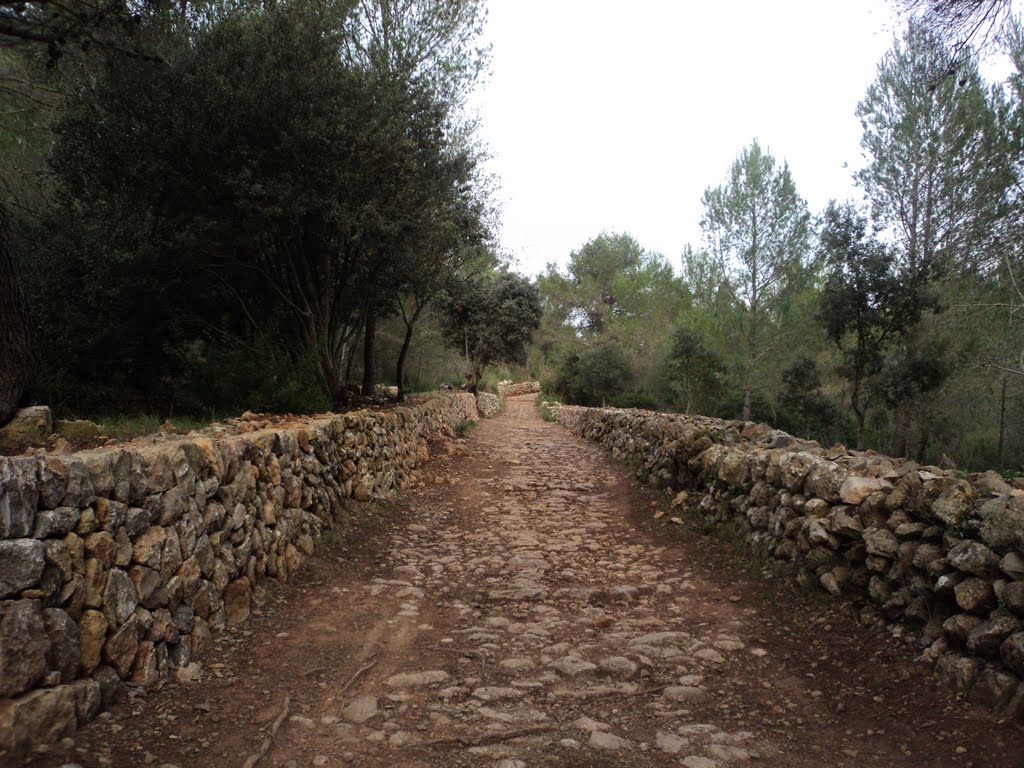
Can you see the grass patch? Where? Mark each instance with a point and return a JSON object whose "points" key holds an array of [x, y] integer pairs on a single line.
{"points": [[466, 426], [549, 406]]}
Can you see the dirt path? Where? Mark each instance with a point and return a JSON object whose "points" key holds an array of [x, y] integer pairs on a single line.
{"points": [[532, 614]]}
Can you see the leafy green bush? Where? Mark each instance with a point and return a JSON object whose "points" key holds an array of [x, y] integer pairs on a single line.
{"points": [[636, 400], [233, 375]]}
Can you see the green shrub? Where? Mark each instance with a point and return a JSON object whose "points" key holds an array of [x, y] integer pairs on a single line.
{"points": [[636, 400]]}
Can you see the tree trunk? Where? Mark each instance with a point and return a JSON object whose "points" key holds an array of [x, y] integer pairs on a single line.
{"points": [[902, 431], [18, 359], [400, 368], [1002, 423], [370, 352]]}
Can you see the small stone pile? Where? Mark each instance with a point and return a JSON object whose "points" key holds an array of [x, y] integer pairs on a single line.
{"points": [[921, 547], [117, 565]]}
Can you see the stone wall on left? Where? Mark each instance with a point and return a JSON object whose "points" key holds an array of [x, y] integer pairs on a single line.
{"points": [[117, 565]]}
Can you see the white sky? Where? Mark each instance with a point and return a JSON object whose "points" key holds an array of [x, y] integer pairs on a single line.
{"points": [[617, 116]]}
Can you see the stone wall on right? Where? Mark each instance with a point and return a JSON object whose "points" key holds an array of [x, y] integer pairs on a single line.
{"points": [[936, 552]]}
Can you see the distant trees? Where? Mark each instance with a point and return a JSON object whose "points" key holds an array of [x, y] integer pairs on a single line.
{"points": [[866, 301], [612, 294], [895, 323], [696, 372], [757, 226], [491, 319]]}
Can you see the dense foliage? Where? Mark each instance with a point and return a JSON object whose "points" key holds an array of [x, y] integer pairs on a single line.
{"points": [[892, 323], [237, 197]]}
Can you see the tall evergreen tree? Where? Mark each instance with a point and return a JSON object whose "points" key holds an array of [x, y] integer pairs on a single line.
{"points": [[757, 226]]}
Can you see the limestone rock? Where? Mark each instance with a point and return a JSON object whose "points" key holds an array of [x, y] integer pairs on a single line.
{"points": [[120, 648], [605, 740], [23, 646], [415, 679], [146, 669], [974, 595], [361, 710], [959, 626], [21, 565], [92, 633], [1013, 596], [1012, 652], [843, 522], [985, 639], [237, 601], [112, 690], [1005, 526], [973, 557], [824, 480], [1013, 566], [618, 666], [88, 699], [855, 489], [32, 425], [19, 496], [64, 653], [147, 583], [55, 522], [119, 597], [102, 546], [881, 542], [954, 504], [42, 716], [993, 689], [685, 694], [670, 742], [148, 548], [572, 666], [956, 671]]}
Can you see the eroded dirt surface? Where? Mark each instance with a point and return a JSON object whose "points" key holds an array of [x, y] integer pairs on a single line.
{"points": [[528, 611]]}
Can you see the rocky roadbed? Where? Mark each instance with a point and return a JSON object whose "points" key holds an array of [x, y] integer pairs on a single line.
{"points": [[529, 611]]}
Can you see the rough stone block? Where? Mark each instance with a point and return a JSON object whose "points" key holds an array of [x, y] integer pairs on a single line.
{"points": [[21, 565], [993, 689], [43, 716], [92, 634], [237, 601], [119, 597], [120, 648], [973, 557], [88, 700], [23, 646], [64, 654]]}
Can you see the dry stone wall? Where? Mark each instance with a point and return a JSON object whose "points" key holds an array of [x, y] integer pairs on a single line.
{"points": [[510, 389], [488, 405], [117, 565], [938, 556]]}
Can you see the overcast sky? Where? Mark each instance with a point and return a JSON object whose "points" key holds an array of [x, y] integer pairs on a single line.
{"points": [[617, 116]]}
